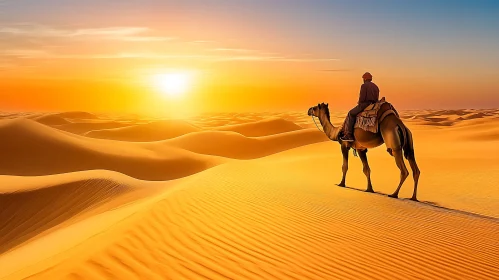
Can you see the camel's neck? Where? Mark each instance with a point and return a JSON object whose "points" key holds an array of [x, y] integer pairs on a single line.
{"points": [[329, 129]]}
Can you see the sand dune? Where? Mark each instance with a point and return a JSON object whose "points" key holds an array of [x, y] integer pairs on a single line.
{"points": [[6, 115], [80, 115], [35, 205], [50, 120], [77, 115], [485, 128], [29, 148], [85, 127], [448, 117], [60, 118], [233, 116], [261, 128], [234, 145], [153, 131]]}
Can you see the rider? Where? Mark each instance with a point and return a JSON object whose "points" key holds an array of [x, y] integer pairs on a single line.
{"points": [[369, 93]]}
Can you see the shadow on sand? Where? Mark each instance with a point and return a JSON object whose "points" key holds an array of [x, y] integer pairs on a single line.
{"points": [[427, 204]]}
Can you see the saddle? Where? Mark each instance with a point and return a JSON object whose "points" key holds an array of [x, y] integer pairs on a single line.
{"points": [[370, 118]]}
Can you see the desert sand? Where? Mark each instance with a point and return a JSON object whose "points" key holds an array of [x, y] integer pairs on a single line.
{"points": [[243, 196]]}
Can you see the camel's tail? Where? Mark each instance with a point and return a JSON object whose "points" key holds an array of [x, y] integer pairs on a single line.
{"points": [[407, 142]]}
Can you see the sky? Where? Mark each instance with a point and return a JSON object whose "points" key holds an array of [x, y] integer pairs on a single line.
{"points": [[258, 55]]}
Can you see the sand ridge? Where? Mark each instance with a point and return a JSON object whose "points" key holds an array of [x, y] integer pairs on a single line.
{"points": [[234, 145], [154, 131], [83, 127], [265, 127], [31, 205]]}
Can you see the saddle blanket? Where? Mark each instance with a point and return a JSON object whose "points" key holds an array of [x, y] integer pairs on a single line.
{"points": [[368, 119]]}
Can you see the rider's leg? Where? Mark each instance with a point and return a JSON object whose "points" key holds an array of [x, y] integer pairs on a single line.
{"points": [[350, 122]]}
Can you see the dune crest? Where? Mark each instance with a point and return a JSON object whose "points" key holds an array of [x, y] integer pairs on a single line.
{"points": [[154, 131], [234, 145], [82, 128], [35, 205], [264, 127], [60, 118], [76, 115], [50, 120]]}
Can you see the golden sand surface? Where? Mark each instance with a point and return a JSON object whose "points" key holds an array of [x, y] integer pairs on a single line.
{"points": [[243, 196]]}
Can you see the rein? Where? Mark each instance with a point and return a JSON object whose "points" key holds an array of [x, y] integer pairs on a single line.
{"points": [[353, 149], [313, 118]]}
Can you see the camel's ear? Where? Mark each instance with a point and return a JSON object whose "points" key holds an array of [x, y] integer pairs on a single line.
{"points": [[327, 105]]}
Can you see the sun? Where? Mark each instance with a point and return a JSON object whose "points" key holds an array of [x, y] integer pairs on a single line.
{"points": [[172, 84]]}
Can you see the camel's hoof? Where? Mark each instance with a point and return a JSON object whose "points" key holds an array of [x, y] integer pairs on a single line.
{"points": [[341, 185], [369, 190], [414, 199], [394, 195]]}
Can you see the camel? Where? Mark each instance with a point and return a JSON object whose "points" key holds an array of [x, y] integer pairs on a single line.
{"points": [[392, 131]]}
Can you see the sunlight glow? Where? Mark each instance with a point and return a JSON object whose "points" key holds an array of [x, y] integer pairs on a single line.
{"points": [[172, 84]]}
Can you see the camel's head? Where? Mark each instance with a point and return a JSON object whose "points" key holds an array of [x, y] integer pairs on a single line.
{"points": [[316, 111]]}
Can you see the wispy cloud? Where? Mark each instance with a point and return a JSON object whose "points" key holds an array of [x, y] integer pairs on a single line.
{"points": [[39, 33], [212, 58], [271, 58], [202, 42], [31, 30], [109, 33], [335, 70], [236, 54], [148, 39], [232, 50], [23, 53]]}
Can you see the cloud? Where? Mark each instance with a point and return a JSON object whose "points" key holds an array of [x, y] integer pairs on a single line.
{"points": [[272, 58], [22, 53], [335, 70], [232, 50], [148, 39], [109, 33], [235, 54], [211, 58], [202, 42], [39, 36], [32, 30]]}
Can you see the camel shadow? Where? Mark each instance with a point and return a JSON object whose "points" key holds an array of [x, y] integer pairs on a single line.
{"points": [[431, 204], [362, 190]]}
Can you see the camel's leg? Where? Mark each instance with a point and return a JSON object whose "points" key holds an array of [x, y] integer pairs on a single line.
{"points": [[415, 175], [366, 169], [344, 168], [399, 159]]}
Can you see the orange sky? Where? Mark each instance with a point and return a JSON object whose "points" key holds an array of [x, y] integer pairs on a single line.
{"points": [[249, 57]]}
